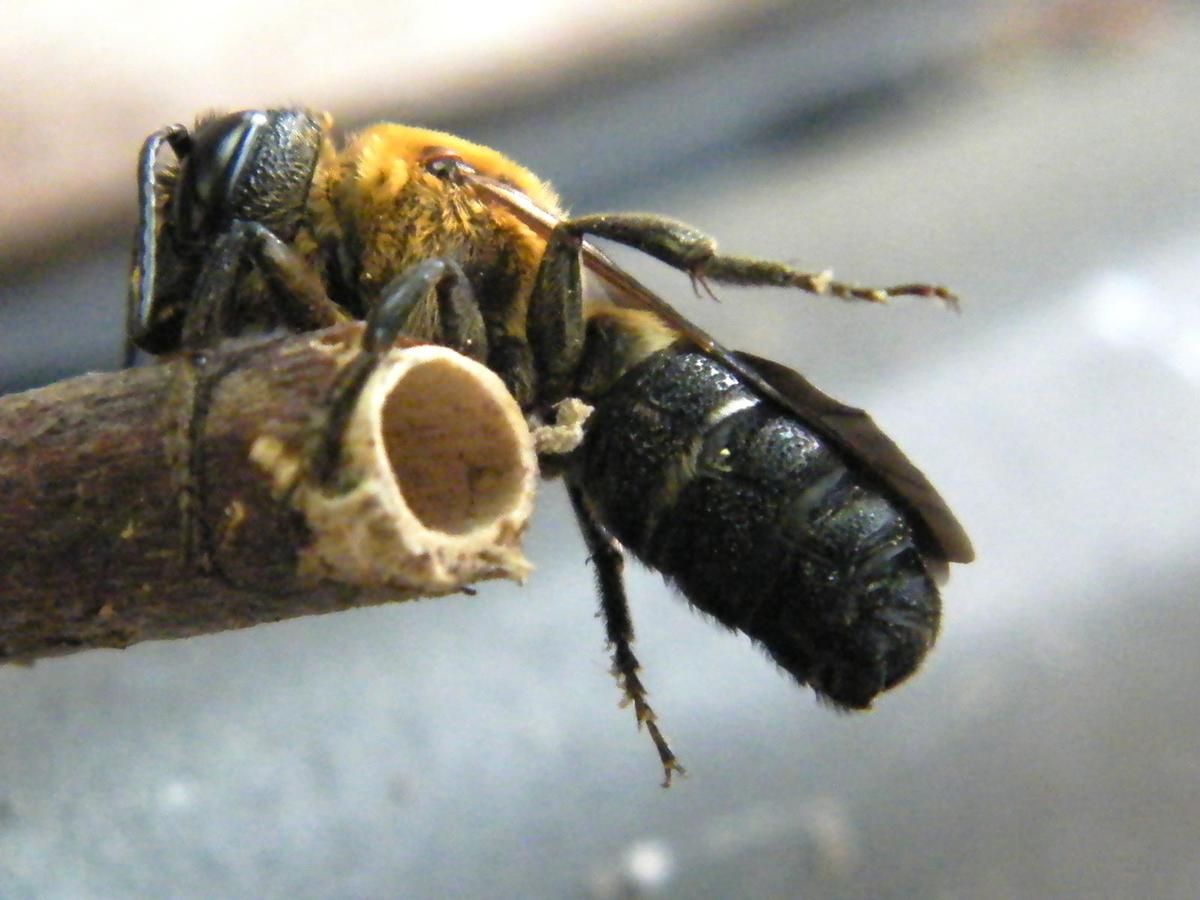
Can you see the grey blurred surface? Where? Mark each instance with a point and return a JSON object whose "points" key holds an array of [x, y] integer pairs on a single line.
{"points": [[473, 747]]}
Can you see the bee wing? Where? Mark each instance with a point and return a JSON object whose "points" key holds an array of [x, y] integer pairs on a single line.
{"points": [[857, 435]]}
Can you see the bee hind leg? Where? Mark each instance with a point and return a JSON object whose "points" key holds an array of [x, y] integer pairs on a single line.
{"points": [[609, 561], [683, 247], [431, 300]]}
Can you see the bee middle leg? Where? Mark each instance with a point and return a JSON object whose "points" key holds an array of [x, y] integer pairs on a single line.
{"points": [[609, 561], [683, 247], [556, 325], [430, 300]]}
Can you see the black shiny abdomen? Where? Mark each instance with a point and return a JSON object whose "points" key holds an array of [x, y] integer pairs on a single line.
{"points": [[761, 524]]}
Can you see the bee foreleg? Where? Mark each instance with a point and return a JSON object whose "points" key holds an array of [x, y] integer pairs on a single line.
{"points": [[302, 302], [191, 391], [300, 298], [296, 287], [609, 561], [683, 247], [458, 323]]}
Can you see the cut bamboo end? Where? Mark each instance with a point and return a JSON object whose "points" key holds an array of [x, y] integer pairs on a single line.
{"points": [[177, 499], [442, 472]]}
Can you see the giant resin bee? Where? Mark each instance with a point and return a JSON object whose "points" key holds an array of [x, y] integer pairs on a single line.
{"points": [[771, 507]]}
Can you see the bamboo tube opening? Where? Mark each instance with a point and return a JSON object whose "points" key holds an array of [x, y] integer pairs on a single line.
{"points": [[432, 491], [440, 474], [453, 448]]}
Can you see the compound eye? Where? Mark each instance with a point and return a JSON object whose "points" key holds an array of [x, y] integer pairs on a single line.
{"points": [[444, 163]]}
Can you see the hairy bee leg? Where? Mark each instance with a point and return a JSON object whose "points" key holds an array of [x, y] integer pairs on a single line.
{"points": [[404, 308], [609, 561], [683, 247], [192, 390], [298, 293], [188, 462], [431, 300], [301, 301], [556, 324], [141, 310]]}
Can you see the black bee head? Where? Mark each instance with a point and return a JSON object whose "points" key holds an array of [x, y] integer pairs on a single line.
{"points": [[254, 165]]}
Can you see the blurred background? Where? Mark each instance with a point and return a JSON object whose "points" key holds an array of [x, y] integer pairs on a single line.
{"points": [[1040, 157]]}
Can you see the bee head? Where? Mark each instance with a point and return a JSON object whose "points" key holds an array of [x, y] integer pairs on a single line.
{"points": [[254, 165]]}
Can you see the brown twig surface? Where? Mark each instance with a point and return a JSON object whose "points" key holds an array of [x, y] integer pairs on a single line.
{"points": [[121, 521]]}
